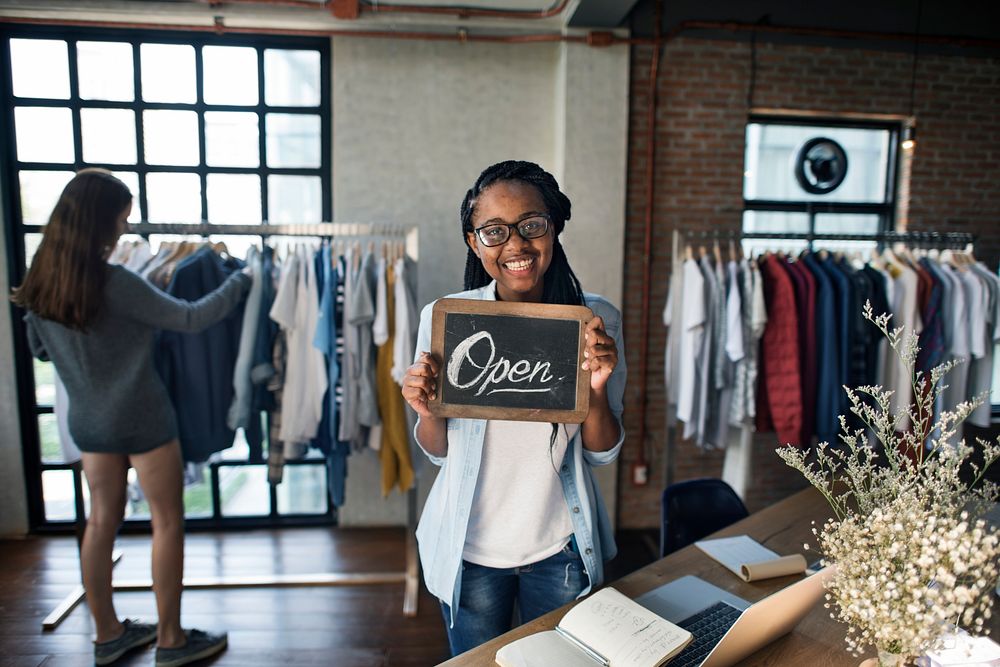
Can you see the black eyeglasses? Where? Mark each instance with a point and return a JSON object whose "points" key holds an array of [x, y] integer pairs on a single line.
{"points": [[497, 234]]}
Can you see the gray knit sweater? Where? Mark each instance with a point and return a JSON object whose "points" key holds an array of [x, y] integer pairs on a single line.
{"points": [[117, 401]]}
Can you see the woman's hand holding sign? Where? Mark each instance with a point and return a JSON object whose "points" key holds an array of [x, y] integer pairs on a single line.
{"points": [[600, 355], [420, 384]]}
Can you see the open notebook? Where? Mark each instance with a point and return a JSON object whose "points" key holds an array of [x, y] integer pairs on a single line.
{"points": [[606, 629]]}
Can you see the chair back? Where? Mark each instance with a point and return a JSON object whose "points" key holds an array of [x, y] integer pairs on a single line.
{"points": [[694, 508]]}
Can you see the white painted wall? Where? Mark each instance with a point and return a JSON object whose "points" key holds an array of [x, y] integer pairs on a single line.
{"points": [[13, 501], [414, 125]]}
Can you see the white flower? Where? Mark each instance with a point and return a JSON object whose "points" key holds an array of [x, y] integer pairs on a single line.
{"points": [[911, 559]]}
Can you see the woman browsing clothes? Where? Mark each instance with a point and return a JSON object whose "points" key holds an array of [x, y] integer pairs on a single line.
{"points": [[95, 321], [515, 520]]}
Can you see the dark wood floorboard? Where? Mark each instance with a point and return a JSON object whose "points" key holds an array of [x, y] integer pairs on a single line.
{"points": [[346, 626]]}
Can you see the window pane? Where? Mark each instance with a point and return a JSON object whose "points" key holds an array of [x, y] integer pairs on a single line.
{"points": [[173, 197], [844, 223], [232, 139], [291, 78], [293, 140], [775, 221], [45, 381], [108, 135], [303, 490], [105, 71], [772, 149], [230, 74], [131, 179], [170, 137], [57, 490], [40, 68], [244, 491], [40, 191], [197, 495], [31, 243], [44, 134], [294, 199], [168, 73], [234, 199], [48, 435]]}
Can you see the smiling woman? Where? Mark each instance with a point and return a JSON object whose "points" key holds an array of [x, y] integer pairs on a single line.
{"points": [[516, 518]]}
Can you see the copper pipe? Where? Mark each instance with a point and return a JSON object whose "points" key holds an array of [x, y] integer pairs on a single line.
{"points": [[277, 3], [465, 12], [461, 36], [378, 7]]}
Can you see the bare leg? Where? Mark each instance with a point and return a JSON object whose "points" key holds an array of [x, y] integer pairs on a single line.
{"points": [[162, 479], [106, 478]]}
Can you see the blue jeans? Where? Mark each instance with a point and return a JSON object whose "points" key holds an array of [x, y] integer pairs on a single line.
{"points": [[486, 604]]}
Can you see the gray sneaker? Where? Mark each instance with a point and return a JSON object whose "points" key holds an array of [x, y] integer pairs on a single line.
{"points": [[136, 634], [199, 645]]}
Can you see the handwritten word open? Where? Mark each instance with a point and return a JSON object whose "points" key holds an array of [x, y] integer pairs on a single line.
{"points": [[497, 372]]}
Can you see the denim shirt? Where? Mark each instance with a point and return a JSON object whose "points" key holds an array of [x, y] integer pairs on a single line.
{"points": [[445, 518]]}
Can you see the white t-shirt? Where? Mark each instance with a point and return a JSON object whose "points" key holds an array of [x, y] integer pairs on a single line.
{"points": [[519, 513], [905, 313], [296, 310], [693, 316]]}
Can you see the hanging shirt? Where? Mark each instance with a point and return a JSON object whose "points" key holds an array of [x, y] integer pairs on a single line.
{"points": [[296, 310], [362, 315], [406, 319], [780, 354], [743, 408], [672, 320], [905, 314], [691, 337], [981, 369], [827, 358], [380, 325], [957, 323], [198, 367]]}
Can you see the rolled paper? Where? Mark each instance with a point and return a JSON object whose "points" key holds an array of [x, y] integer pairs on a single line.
{"points": [[778, 567]]}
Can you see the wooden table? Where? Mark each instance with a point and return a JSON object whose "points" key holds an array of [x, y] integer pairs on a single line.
{"points": [[817, 641]]}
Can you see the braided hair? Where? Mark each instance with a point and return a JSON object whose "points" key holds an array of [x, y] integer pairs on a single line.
{"points": [[560, 284]]}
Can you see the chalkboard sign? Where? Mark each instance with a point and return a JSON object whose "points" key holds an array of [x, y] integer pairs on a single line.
{"points": [[516, 361]]}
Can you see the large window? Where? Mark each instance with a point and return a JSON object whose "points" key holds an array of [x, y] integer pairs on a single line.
{"points": [[228, 130], [806, 177]]}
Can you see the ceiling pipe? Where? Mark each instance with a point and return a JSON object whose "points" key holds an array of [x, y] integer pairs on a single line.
{"points": [[383, 8], [593, 39], [465, 12]]}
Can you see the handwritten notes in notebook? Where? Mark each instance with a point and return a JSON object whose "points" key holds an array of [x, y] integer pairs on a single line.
{"points": [[751, 561], [607, 629]]}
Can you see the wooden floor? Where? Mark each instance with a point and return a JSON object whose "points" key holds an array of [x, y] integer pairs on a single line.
{"points": [[345, 626]]}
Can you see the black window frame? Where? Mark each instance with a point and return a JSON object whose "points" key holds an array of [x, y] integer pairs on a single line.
{"points": [[15, 228], [886, 210]]}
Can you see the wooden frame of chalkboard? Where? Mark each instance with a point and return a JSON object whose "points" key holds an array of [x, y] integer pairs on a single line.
{"points": [[513, 361]]}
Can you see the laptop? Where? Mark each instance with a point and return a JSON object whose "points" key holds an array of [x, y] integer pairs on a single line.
{"points": [[726, 627]]}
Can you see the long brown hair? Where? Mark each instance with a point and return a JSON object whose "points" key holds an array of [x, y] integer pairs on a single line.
{"points": [[66, 280]]}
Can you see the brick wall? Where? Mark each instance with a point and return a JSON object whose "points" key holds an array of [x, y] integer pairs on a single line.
{"points": [[702, 110]]}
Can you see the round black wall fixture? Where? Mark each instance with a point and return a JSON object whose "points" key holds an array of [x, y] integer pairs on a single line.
{"points": [[821, 166]]}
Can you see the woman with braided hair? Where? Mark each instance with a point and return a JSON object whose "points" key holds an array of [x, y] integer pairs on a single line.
{"points": [[515, 521]]}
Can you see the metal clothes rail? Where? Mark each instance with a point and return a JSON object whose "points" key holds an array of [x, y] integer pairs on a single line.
{"points": [[929, 239], [681, 239], [409, 575]]}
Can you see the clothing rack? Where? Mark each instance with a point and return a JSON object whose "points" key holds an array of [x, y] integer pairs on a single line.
{"points": [[681, 239], [928, 239], [409, 575]]}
